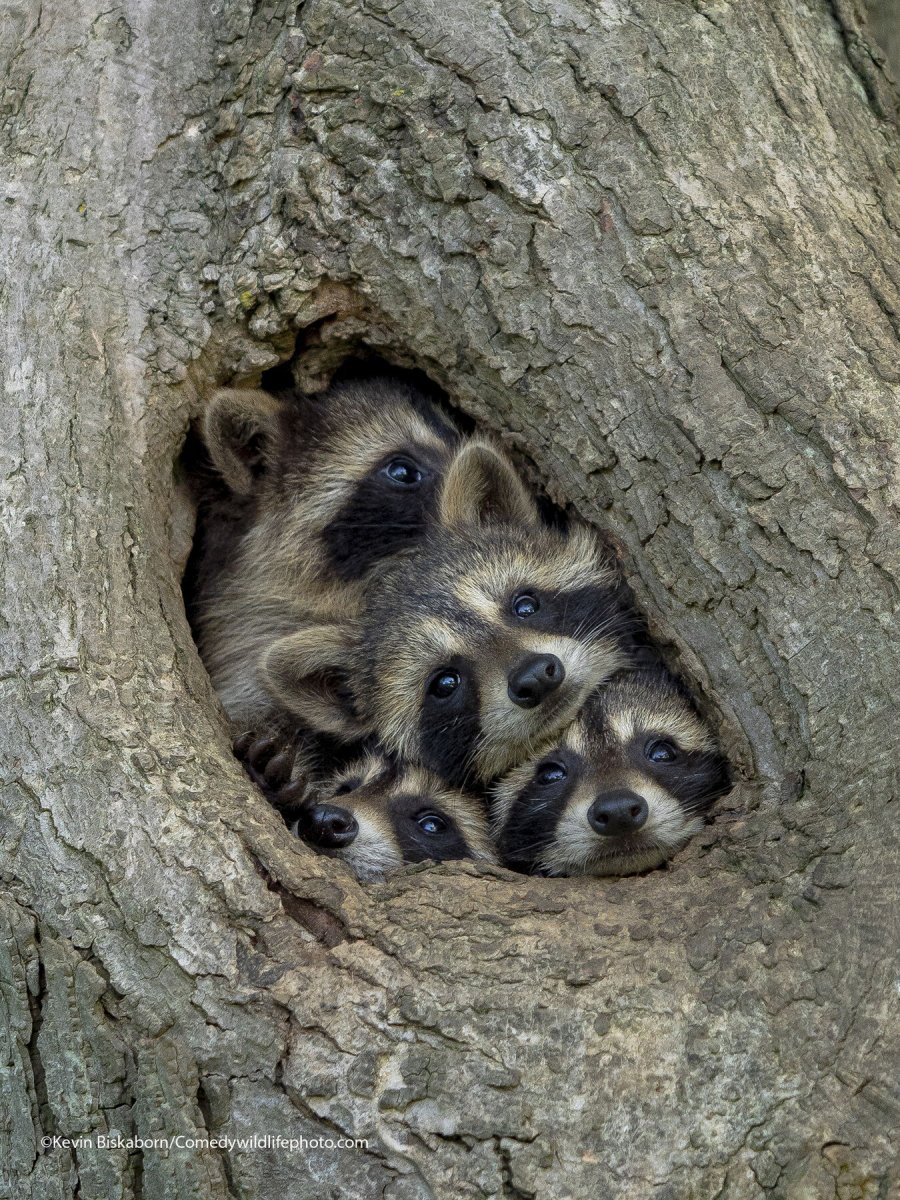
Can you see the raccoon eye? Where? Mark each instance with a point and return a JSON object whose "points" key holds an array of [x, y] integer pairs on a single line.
{"points": [[660, 751], [525, 605], [443, 684], [349, 785], [430, 822], [552, 772], [403, 472]]}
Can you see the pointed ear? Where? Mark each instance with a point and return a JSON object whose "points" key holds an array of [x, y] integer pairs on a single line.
{"points": [[481, 486], [240, 429], [308, 672]]}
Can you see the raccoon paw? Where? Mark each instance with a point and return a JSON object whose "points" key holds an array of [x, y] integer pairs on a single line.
{"points": [[291, 799], [271, 766]]}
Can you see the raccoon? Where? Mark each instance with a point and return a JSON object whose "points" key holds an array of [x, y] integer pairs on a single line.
{"points": [[625, 786], [378, 814], [483, 642], [305, 497], [284, 764]]}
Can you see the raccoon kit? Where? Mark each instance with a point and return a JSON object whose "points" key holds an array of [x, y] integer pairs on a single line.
{"points": [[305, 497], [480, 643], [625, 786], [363, 573], [378, 814]]}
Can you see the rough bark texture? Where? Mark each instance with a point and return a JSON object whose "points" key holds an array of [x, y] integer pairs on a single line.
{"points": [[883, 19], [655, 244]]}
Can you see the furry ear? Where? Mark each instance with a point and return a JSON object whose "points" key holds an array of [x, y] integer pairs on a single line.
{"points": [[240, 428], [481, 486], [308, 673]]}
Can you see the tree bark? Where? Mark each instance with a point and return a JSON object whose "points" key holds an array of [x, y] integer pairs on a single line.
{"points": [[654, 246]]}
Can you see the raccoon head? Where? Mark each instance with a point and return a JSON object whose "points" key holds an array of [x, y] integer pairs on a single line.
{"points": [[489, 638], [625, 786], [377, 814], [327, 487], [350, 475]]}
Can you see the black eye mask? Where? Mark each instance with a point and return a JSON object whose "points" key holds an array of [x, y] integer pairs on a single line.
{"points": [[450, 722], [695, 778], [411, 817], [387, 511], [572, 613], [534, 814]]}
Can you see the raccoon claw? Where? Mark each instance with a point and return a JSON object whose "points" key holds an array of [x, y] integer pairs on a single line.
{"points": [[290, 798], [271, 765], [267, 765], [242, 744], [261, 752], [278, 769]]}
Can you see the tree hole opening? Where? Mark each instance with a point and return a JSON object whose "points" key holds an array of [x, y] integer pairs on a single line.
{"points": [[421, 657]]}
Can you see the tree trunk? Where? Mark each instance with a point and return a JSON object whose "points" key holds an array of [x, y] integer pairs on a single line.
{"points": [[653, 244]]}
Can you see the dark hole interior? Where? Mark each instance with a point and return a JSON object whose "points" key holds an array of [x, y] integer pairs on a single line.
{"points": [[234, 514]]}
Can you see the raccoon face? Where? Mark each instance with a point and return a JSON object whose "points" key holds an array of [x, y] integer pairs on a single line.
{"points": [[624, 788], [490, 638], [350, 476], [327, 487], [377, 815]]}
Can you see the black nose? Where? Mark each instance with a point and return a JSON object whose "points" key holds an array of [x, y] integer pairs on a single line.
{"points": [[534, 679], [327, 826], [616, 813]]}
